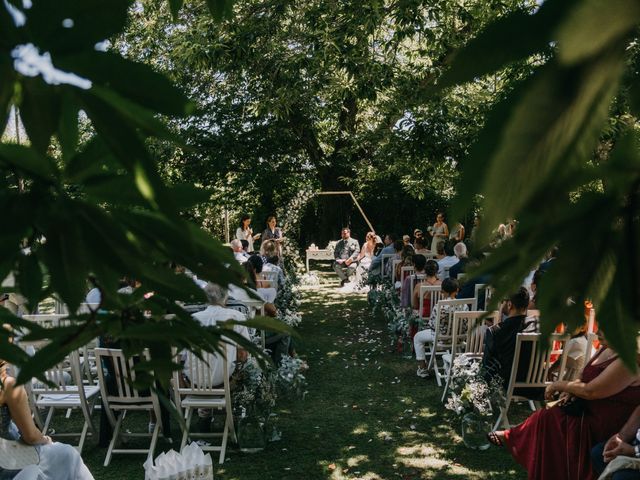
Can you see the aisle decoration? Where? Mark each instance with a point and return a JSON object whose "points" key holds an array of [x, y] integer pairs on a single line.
{"points": [[289, 217], [474, 399], [401, 322], [191, 462], [255, 393]]}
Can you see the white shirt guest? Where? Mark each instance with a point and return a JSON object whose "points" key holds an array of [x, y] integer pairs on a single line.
{"points": [[447, 262], [214, 313], [238, 253]]}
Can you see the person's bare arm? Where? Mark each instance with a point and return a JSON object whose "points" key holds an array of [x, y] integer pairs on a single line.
{"points": [[615, 378], [16, 399]]}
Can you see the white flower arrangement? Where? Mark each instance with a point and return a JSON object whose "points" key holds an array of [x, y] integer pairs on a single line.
{"points": [[470, 391], [310, 280], [291, 318]]}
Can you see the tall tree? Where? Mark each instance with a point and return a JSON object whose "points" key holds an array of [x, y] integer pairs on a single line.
{"points": [[329, 92]]}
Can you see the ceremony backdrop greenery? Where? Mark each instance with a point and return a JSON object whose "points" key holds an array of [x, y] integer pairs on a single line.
{"points": [[336, 95]]}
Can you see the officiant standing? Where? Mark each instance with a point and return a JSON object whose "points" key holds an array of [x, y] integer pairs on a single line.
{"points": [[272, 232], [345, 255]]}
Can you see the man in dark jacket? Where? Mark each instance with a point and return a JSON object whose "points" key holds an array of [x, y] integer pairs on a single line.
{"points": [[500, 339]]}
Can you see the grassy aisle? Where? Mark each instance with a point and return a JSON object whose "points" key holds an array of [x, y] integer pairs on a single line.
{"points": [[366, 414]]}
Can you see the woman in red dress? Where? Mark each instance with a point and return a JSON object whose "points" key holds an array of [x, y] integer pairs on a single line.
{"points": [[551, 444]]}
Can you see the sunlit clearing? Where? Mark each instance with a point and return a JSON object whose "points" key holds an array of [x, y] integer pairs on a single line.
{"points": [[357, 460], [333, 354]]}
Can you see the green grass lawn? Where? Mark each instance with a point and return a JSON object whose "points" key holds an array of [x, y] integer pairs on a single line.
{"points": [[365, 416]]}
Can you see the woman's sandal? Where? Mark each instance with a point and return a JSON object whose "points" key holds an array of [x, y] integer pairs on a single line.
{"points": [[494, 439]]}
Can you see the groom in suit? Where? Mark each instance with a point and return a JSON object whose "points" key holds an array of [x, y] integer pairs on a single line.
{"points": [[345, 254]]}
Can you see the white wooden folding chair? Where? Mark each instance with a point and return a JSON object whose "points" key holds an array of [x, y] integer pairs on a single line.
{"points": [[394, 269], [443, 332], [532, 372], [46, 320], [386, 258], [270, 277], [429, 295], [66, 392], [116, 376], [404, 272], [467, 339], [201, 393], [478, 289]]}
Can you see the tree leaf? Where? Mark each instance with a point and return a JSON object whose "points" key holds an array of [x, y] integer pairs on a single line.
{"points": [[26, 159], [559, 117], [595, 26], [92, 22], [30, 279], [40, 112], [68, 128], [516, 36], [134, 81], [175, 6], [64, 256], [220, 9], [6, 91], [139, 116]]}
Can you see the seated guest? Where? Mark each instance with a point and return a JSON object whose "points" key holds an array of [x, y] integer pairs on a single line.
{"points": [[245, 246], [427, 336], [254, 267], [388, 249], [551, 256], [238, 252], [576, 348], [500, 339], [345, 254], [440, 253], [448, 261], [406, 239], [57, 461], [460, 251], [417, 233], [419, 262], [625, 443], [535, 282], [457, 233], [431, 272], [406, 260], [272, 265], [555, 442], [468, 288], [420, 246], [214, 313]]}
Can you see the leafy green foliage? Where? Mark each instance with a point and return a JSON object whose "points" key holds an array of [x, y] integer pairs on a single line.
{"points": [[534, 161], [97, 209], [324, 95]]}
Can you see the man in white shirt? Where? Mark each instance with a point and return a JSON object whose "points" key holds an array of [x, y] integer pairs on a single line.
{"points": [[238, 252], [447, 262], [214, 313]]}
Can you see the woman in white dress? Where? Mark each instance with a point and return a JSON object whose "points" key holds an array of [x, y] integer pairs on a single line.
{"points": [[57, 461], [245, 232], [365, 257]]}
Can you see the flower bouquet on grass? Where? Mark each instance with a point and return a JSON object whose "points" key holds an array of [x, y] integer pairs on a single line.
{"points": [[254, 395], [475, 399]]}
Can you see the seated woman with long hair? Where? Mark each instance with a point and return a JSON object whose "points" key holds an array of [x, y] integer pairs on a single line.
{"points": [[58, 461], [555, 443]]}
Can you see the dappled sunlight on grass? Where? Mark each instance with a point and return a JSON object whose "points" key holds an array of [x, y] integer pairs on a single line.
{"points": [[366, 415]]}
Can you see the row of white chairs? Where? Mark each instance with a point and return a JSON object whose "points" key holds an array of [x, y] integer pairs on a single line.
{"points": [[463, 333], [91, 373]]}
